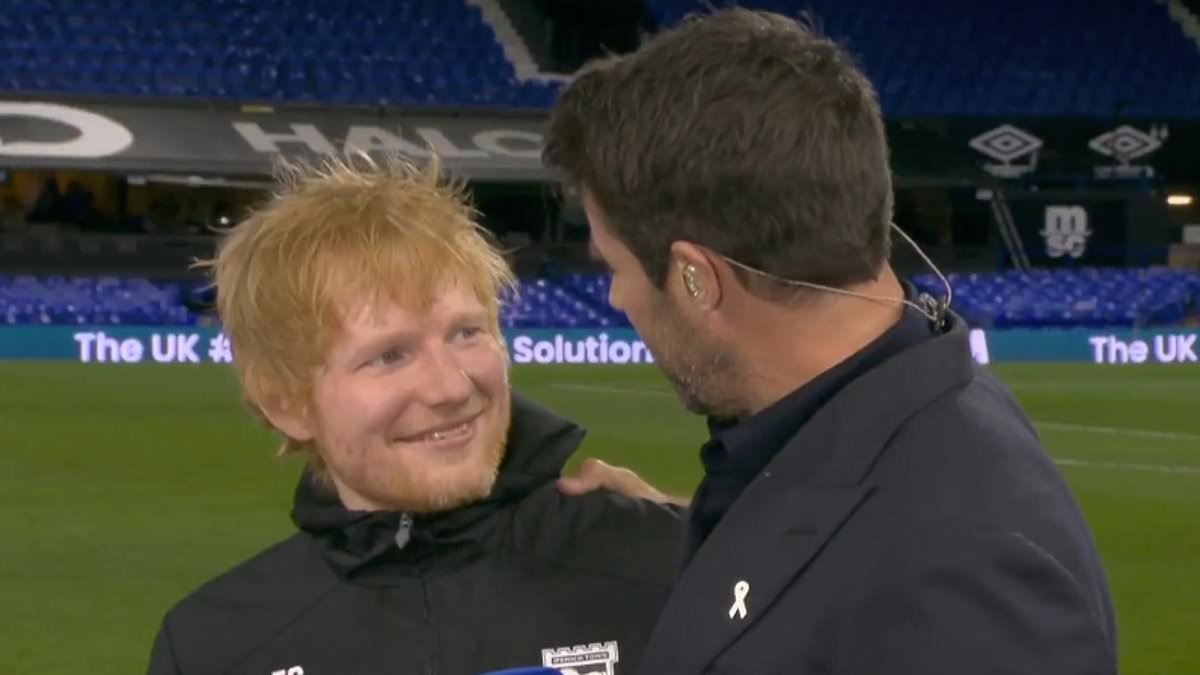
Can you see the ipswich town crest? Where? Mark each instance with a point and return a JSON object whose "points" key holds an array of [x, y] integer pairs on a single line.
{"points": [[590, 659]]}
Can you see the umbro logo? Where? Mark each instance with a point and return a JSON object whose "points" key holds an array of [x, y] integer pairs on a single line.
{"points": [[1125, 142], [1007, 144]]}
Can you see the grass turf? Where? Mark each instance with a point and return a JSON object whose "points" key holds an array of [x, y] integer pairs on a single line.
{"points": [[123, 487]]}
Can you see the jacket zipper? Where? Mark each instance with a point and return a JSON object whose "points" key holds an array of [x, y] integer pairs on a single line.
{"points": [[404, 531], [403, 536]]}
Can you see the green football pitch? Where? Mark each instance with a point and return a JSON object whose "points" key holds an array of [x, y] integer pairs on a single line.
{"points": [[123, 487]]}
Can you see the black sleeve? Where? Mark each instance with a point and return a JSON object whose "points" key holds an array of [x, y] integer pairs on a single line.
{"points": [[602, 532], [162, 655], [983, 603]]}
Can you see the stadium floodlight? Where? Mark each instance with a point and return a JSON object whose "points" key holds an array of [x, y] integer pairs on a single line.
{"points": [[1179, 200]]}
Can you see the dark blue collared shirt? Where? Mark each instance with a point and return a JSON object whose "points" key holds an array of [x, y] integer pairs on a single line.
{"points": [[738, 451]]}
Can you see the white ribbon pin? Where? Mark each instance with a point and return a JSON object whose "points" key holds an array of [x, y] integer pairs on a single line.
{"points": [[740, 591]]}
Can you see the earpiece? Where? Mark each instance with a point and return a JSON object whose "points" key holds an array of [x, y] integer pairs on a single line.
{"points": [[690, 282]]}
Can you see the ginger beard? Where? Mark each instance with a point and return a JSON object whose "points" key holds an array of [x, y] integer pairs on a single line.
{"points": [[425, 475], [413, 410]]}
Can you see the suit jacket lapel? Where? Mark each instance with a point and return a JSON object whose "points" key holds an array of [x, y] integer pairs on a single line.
{"points": [[765, 553]]}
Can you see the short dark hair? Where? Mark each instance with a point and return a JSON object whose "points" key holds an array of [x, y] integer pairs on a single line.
{"points": [[745, 132]]}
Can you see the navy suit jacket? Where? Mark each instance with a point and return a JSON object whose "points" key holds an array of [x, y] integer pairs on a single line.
{"points": [[914, 526]]}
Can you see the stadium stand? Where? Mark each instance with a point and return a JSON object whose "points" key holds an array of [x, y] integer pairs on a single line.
{"points": [[1020, 58], [365, 52], [570, 301], [1065, 298], [100, 301], [1024, 58], [1090, 297]]}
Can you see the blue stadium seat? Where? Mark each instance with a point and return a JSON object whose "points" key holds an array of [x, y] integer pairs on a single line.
{"points": [[403, 53], [105, 300], [949, 58], [1093, 297], [1025, 57]]}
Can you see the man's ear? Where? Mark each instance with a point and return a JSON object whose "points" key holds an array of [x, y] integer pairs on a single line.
{"points": [[291, 418], [694, 275]]}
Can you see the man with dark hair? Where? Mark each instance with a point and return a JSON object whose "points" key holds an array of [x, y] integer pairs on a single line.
{"points": [[874, 502]]}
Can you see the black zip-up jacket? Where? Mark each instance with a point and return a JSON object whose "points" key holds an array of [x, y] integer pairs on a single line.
{"points": [[527, 577]]}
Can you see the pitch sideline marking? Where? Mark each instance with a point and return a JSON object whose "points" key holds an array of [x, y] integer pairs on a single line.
{"points": [[1054, 426]]}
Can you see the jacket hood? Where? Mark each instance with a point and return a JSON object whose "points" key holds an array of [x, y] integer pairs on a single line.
{"points": [[539, 444]]}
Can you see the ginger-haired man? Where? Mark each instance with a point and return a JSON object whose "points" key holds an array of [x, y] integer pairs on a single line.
{"points": [[362, 303]]}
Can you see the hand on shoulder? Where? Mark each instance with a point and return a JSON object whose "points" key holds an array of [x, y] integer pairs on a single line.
{"points": [[594, 474]]}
